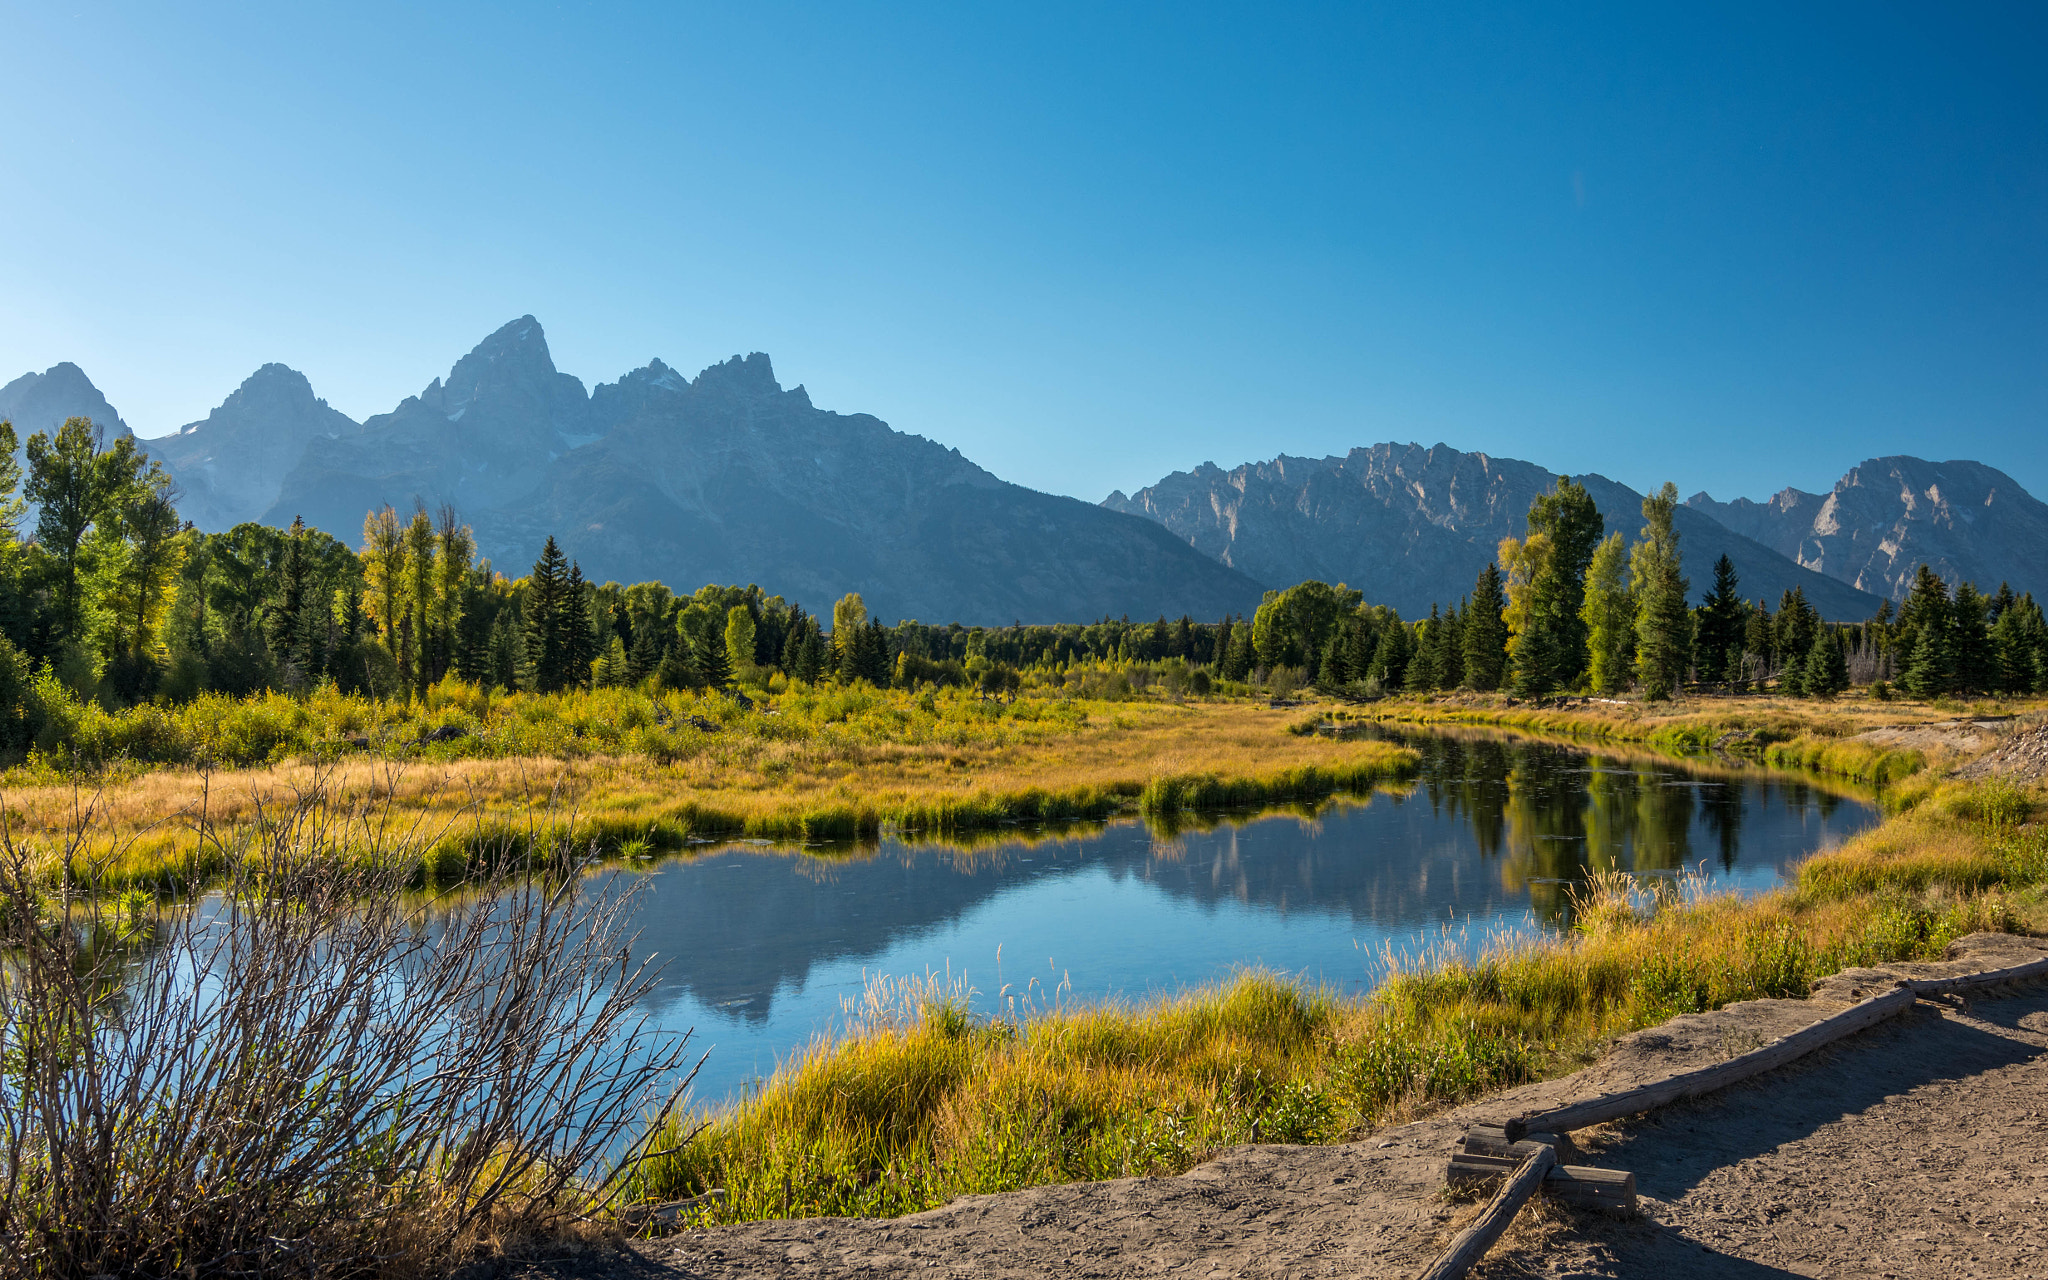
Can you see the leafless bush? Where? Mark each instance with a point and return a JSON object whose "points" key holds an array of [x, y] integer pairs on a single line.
{"points": [[312, 1071]]}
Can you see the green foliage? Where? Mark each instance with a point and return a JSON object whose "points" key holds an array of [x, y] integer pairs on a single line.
{"points": [[1609, 614], [1663, 625]]}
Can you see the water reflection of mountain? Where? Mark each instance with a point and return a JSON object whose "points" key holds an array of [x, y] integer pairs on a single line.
{"points": [[1491, 827]]}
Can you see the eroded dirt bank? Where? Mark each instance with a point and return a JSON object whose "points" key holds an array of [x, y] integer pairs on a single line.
{"points": [[1918, 1148]]}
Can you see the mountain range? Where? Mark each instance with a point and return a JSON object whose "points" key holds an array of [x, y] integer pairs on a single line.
{"points": [[730, 477]]}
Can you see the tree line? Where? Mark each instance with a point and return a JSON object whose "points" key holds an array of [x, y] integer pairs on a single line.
{"points": [[111, 593]]}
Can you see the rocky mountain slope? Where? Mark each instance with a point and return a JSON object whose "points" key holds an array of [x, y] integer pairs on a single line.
{"points": [[1411, 526], [729, 478], [1886, 517], [232, 464]]}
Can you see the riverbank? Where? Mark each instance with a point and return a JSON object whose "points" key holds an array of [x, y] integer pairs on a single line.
{"points": [[923, 1102], [1855, 738], [840, 766]]}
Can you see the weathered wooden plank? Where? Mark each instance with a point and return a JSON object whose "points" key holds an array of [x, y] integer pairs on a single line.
{"points": [[1988, 978], [1492, 1140], [1608, 1190], [1692, 1084], [1472, 1243]]}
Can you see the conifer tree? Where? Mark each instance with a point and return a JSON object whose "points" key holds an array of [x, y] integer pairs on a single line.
{"points": [[1609, 613], [1567, 517], [1239, 664], [2020, 641], [1757, 644], [1422, 675], [1976, 662], [579, 632], [1663, 623], [1450, 660], [676, 671], [547, 654], [1721, 624], [1926, 620], [1827, 666], [284, 620], [1390, 660], [1486, 635], [714, 666], [643, 656], [811, 659], [1792, 637]]}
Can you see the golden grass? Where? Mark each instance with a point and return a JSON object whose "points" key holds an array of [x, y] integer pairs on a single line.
{"points": [[1082, 764]]}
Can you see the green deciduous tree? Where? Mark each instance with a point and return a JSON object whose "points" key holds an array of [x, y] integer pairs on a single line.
{"points": [[1609, 615], [1663, 623]]}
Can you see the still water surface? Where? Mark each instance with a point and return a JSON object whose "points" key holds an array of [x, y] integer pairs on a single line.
{"points": [[764, 946]]}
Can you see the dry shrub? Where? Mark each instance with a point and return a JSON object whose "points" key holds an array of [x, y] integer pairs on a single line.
{"points": [[312, 1071]]}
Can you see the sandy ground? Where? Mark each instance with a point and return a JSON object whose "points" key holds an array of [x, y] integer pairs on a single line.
{"points": [[1919, 1148], [1949, 737]]}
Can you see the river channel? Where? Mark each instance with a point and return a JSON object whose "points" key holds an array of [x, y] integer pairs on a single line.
{"points": [[763, 946]]}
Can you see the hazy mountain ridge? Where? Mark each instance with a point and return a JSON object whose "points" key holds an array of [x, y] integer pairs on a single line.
{"points": [[1412, 526], [1887, 516]]}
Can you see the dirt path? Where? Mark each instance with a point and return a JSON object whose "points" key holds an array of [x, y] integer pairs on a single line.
{"points": [[1916, 1149]]}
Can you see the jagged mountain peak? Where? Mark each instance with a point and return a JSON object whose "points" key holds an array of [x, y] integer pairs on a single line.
{"points": [[752, 375], [42, 401], [1412, 526], [1887, 516]]}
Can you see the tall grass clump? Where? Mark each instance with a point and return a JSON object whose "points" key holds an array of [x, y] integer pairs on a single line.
{"points": [[312, 1071]]}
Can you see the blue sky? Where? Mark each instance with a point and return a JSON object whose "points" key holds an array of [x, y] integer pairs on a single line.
{"points": [[1087, 245]]}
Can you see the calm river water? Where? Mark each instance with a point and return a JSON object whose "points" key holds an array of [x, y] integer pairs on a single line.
{"points": [[763, 946]]}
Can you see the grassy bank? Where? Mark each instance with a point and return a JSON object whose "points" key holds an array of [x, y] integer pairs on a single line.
{"points": [[826, 765], [921, 1101], [1781, 732]]}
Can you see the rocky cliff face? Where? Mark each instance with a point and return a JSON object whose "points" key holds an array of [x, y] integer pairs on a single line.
{"points": [[1411, 526], [1885, 518], [231, 465]]}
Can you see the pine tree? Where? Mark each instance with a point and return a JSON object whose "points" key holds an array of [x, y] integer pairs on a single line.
{"points": [[812, 657], [1720, 626], [1757, 644], [1926, 624], [547, 655], [2017, 641], [1390, 661], [676, 672], [1609, 613], [643, 657], [291, 599], [1827, 667], [1568, 518], [1792, 637], [1450, 660], [1239, 664], [1486, 635], [713, 666], [1422, 674], [1663, 623], [579, 632], [1976, 661]]}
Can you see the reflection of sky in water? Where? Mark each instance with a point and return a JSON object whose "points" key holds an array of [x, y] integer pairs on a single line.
{"points": [[763, 945]]}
